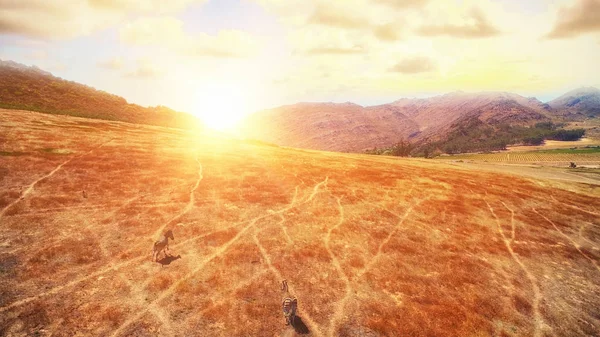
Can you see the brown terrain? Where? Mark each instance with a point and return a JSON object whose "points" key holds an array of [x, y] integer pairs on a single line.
{"points": [[329, 126], [30, 88], [370, 245], [349, 127], [345, 127]]}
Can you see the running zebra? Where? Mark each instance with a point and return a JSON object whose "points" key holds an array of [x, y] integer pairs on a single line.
{"points": [[162, 245], [289, 304]]}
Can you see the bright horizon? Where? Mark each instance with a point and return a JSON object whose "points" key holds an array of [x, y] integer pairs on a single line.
{"points": [[221, 60]]}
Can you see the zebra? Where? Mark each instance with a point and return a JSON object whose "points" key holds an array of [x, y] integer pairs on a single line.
{"points": [[289, 304], [162, 245]]}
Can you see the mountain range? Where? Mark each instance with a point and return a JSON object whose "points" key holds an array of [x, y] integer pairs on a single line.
{"points": [[350, 127], [346, 127]]}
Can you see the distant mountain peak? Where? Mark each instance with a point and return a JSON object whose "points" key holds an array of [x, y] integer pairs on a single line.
{"points": [[584, 90], [584, 101]]}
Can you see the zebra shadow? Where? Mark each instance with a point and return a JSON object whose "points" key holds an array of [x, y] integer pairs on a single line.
{"points": [[165, 261], [299, 326]]}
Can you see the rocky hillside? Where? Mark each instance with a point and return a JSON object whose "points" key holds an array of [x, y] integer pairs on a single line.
{"points": [[30, 88], [351, 127], [578, 104], [329, 126]]}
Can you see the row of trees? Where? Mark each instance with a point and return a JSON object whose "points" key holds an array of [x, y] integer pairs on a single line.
{"points": [[474, 136]]}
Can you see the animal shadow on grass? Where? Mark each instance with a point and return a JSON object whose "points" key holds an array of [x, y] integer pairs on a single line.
{"points": [[165, 261], [299, 326]]}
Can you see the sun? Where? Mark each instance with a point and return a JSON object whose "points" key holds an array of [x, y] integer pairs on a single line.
{"points": [[221, 106]]}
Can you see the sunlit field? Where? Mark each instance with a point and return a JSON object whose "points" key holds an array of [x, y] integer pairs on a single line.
{"points": [[370, 245], [556, 157]]}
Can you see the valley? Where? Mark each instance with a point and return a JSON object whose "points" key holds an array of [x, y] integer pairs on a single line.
{"points": [[370, 245]]}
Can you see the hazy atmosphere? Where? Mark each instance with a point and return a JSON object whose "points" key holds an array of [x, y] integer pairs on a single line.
{"points": [[281, 168], [231, 57]]}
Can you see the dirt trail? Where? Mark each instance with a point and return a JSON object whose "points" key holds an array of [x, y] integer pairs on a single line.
{"points": [[136, 294], [187, 207], [109, 267], [573, 242], [352, 248], [582, 236], [538, 321], [339, 312], [575, 207], [338, 315], [373, 260], [512, 222], [31, 186], [311, 322], [58, 289], [219, 252]]}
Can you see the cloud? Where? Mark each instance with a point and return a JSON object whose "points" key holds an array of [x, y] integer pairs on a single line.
{"points": [[477, 26], [169, 32], [146, 6], [335, 50], [582, 18], [337, 17], [114, 64], [340, 17], [387, 32], [402, 4], [145, 70], [152, 30], [369, 17], [414, 65], [315, 41], [60, 19]]}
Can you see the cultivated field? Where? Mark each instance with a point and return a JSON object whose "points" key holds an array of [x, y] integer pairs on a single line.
{"points": [[556, 144], [370, 245], [556, 157]]}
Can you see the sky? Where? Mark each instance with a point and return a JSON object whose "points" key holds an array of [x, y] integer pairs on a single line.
{"points": [[221, 59]]}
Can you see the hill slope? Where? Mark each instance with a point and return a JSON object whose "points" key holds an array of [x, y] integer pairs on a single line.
{"points": [[350, 127], [578, 104], [370, 246], [31, 88], [329, 126]]}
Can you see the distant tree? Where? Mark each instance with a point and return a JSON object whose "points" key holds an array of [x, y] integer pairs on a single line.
{"points": [[533, 140], [545, 126], [567, 135], [402, 149]]}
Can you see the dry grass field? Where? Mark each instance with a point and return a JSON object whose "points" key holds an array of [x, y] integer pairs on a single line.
{"points": [[370, 245], [555, 157]]}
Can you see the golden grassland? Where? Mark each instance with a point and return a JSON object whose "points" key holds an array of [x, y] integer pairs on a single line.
{"points": [[371, 246]]}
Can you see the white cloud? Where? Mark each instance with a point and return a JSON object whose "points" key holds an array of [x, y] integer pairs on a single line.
{"points": [[167, 31], [145, 69], [59, 19], [476, 25]]}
